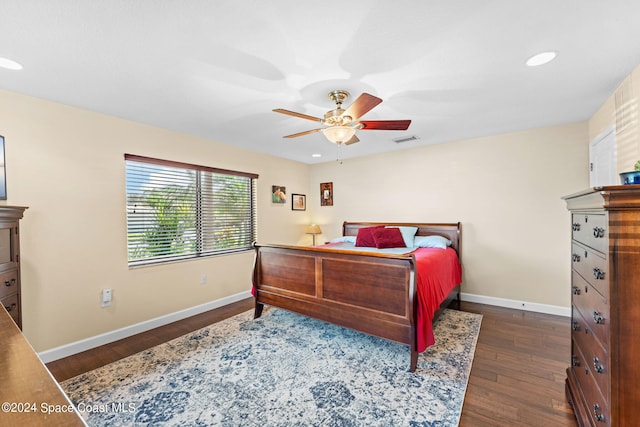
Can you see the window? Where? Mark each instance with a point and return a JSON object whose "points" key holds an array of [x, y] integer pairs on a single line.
{"points": [[180, 211]]}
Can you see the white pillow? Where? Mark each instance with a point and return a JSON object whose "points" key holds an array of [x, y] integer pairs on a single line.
{"points": [[408, 233], [432, 242], [344, 239]]}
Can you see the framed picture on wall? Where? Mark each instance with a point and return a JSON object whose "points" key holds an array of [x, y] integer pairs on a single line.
{"points": [[326, 194], [278, 194], [298, 202], [3, 172]]}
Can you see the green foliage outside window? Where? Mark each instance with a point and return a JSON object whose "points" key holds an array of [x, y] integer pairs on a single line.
{"points": [[177, 213]]}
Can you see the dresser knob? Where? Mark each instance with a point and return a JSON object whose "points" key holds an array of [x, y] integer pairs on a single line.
{"points": [[576, 290], [7, 282], [575, 326], [597, 413], [575, 361], [598, 317], [576, 226], [597, 366], [598, 232], [11, 307], [575, 257]]}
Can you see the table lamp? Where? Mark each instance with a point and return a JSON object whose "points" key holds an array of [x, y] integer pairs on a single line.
{"points": [[314, 229]]}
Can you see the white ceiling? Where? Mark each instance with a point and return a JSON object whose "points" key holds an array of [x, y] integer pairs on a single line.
{"points": [[216, 69]]}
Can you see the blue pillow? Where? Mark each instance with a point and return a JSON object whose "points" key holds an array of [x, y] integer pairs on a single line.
{"points": [[344, 239], [432, 242]]}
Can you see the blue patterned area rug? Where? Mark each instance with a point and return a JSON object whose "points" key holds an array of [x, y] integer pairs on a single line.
{"points": [[283, 370]]}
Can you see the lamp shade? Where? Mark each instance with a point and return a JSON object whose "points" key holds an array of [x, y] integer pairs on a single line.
{"points": [[313, 229], [338, 134]]}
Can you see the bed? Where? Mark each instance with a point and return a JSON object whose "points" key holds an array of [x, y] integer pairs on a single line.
{"points": [[395, 296]]}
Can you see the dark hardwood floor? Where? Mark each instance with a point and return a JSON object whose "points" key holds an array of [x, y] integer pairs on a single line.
{"points": [[517, 378], [77, 364], [518, 372]]}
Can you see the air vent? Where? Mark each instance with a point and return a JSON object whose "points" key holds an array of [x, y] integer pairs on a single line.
{"points": [[405, 139]]}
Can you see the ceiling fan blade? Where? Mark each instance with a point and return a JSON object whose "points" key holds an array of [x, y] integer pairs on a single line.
{"points": [[353, 140], [384, 124], [293, 113], [295, 135], [362, 105]]}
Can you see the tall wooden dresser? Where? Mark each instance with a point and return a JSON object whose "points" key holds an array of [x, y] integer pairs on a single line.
{"points": [[603, 380], [10, 292]]}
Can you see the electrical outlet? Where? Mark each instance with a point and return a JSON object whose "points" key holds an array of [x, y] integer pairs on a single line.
{"points": [[203, 279], [106, 298]]}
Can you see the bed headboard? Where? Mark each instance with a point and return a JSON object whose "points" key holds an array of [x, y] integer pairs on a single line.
{"points": [[451, 231]]}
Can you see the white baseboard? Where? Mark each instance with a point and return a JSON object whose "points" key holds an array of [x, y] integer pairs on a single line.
{"points": [[519, 305], [108, 337]]}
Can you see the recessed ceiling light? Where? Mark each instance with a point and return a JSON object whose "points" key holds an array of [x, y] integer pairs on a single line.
{"points": [[541, 58], [316, 155], [9, 64]]}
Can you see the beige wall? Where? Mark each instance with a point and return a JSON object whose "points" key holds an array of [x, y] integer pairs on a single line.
{"points": [[505, 189], [622, 109], [67, 166]]}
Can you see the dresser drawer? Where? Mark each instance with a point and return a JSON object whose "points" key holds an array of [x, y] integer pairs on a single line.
{"points": [[596, 404], [592, 306], [10, 304], [594, 355], [8, 283], [592, 266], [591, 230]]}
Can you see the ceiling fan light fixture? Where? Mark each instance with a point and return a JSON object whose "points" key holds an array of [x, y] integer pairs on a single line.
{"points": [[338, 134], [341, 125]]}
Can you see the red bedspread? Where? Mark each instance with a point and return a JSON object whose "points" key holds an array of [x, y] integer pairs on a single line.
{"points": [[438, 272]]}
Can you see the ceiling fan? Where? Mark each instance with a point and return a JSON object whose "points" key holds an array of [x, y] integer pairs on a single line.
{"points": [[342, 124]]}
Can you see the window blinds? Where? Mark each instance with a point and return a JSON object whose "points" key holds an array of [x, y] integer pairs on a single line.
{"points": [[179, 211]]}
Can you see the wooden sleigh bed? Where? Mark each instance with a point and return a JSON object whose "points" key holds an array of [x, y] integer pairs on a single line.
{"points": [[374, 293]]}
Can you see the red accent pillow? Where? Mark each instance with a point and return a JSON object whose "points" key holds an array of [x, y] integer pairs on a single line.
{"points": [[388, 238], [365, 238]]}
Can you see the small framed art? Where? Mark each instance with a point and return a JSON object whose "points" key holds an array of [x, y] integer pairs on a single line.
{"points": [[326, 194], [298, 202], [278, 194]]}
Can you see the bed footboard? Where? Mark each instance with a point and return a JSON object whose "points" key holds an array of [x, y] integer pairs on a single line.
{"points": [[370, 293]]}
